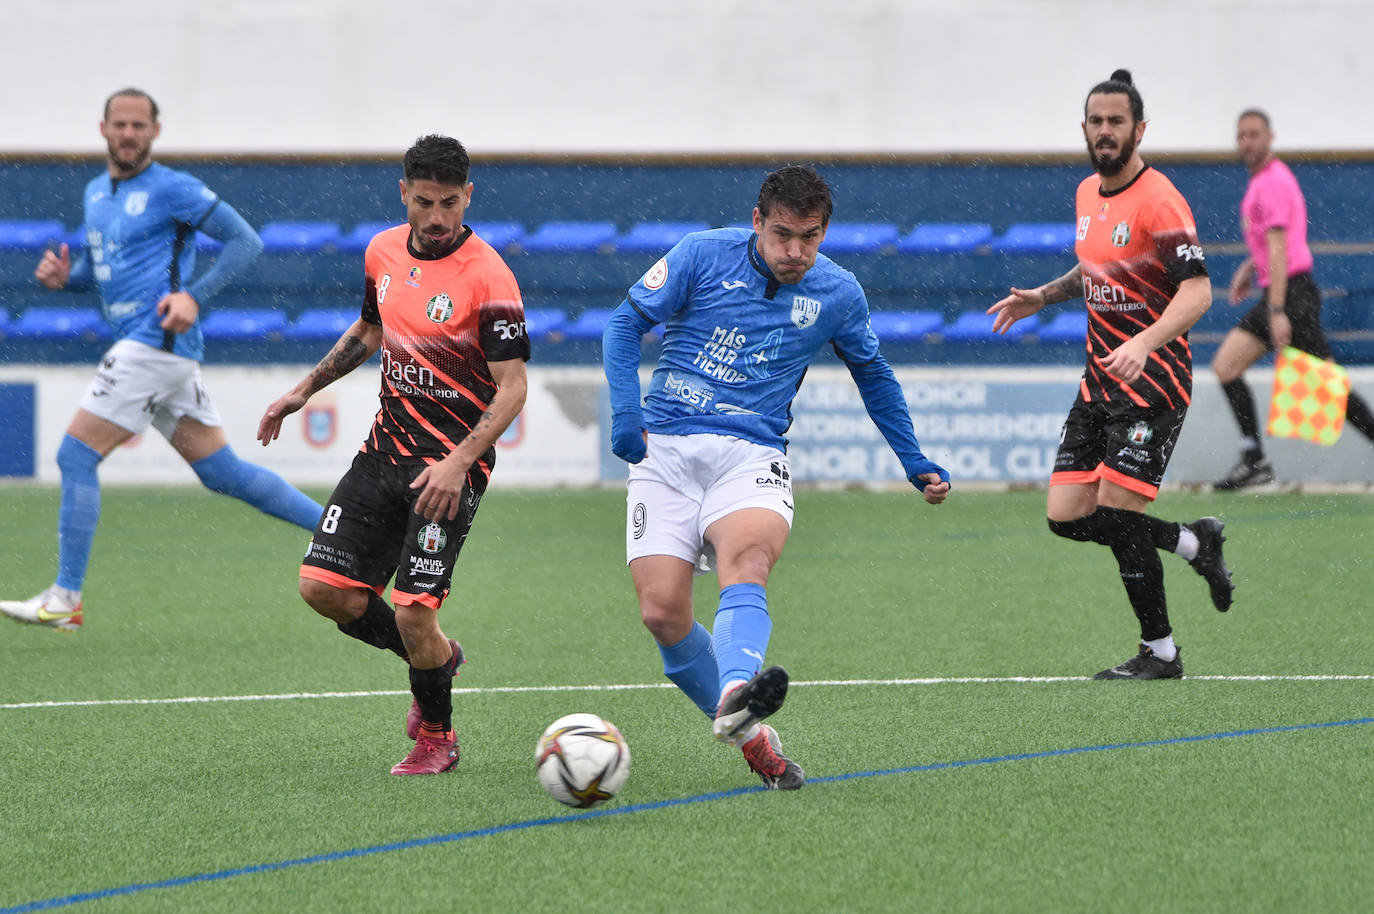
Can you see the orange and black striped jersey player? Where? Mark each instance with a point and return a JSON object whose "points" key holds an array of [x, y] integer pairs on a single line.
{"points": [[445, 311], [1143, 277]]}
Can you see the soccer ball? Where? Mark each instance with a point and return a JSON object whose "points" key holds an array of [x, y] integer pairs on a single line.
{"points": [[582, 760]]}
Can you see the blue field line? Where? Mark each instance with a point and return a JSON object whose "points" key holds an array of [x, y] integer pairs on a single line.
{"points": [[48, 904]]}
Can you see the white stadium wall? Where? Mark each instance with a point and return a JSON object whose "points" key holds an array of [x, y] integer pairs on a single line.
{"points": [[702, 77]]}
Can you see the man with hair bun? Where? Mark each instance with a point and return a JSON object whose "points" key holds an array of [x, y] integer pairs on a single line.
{"points": [[1143, 276]]}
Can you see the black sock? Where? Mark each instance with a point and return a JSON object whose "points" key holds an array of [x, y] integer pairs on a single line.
{"points": [[1096, 528], [377, 627], [1142, 573], [1243, 405], [433, 691], [1357, 414]]}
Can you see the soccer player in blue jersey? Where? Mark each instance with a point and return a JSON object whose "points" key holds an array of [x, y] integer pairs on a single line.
{"points": [[140, 224], [744, 313]]}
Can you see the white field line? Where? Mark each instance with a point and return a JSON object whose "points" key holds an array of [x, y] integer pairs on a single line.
{"points": [[626, 687]]}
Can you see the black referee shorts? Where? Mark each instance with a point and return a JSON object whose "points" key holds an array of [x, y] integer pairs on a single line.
{"points": [[1303, 302]]}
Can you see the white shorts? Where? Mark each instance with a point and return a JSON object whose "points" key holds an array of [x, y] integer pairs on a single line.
{"points": [[136, 385], [688, 482]]}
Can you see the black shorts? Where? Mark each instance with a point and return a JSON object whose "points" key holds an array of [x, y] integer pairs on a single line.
{"points": [[1303, 302], [1122, 443], [370, 531]]}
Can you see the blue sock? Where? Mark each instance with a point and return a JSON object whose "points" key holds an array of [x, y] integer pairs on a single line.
{"points": [[225, 473], [80, 510], [692, 667], [741, 632]]}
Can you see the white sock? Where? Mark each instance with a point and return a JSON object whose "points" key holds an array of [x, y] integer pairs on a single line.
{"points": [[73, 597], [1187, 543], [1163, 648]]}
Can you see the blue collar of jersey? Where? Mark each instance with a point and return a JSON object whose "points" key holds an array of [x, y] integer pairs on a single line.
{"points": [[761, 268]]}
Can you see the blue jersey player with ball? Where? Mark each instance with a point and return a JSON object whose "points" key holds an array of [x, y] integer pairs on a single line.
{"points": [[744, 314]]}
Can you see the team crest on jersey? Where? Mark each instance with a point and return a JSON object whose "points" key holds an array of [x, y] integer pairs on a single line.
{"points": [[804, 311], [414, 278], [657, 275], [1140, 433], [440, 308], [1121, 235], [432, 538], [136, 203]]}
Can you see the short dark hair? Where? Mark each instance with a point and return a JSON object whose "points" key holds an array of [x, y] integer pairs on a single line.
{"points": [[132, 93], [1255, 112], [1119, 83], [437, 158], [799, 188]]}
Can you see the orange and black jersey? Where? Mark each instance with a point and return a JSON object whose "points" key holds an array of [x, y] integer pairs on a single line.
{"points": [[443, 319], [1135, 246]]}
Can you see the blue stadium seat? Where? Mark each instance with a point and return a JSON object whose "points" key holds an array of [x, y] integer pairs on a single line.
{"points": [[30, 234], [241, 324], [1066, 327], [1037, 238], [279, 237], [945, 238], [655, 237], [358, 237], [5, 321], [976, 327], [858, 237], [541, 323], [207, 245], [904, 326], [499, 235], [589, 325], [321, 324], [45, 323], [564, 237]]}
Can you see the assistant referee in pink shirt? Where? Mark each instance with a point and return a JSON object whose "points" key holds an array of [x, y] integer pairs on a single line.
{"points": [[1273, 218]]}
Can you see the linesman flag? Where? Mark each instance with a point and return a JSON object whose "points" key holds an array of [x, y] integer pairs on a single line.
{"points": [[1309, 397]]}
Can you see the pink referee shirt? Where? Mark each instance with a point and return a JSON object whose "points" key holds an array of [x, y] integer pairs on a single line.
{"points": [[1274, 200]]}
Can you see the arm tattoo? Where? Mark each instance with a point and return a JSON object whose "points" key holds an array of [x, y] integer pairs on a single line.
{"points": [[347, 354], [1068, 286]]}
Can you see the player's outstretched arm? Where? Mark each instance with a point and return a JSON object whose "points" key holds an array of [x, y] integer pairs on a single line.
{"points": [[620, 361], [353, 349], [1025, 302]]}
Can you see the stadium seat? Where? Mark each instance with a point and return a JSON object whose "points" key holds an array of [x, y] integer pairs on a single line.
{"points": [[565, 237], [30, 234], [499, 235], [207, 245], [1066, 327], [358, 237], [976, 327], [858, 237], [241, 324], [589, 325], [51, 323], [320, 324], [945, 238], [655, 237], [280, 237], [1036, 238], [904, 326], [541, 323]]}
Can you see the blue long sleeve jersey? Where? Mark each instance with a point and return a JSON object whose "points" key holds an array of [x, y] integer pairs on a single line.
{"points": [[140, 243], [737, 344]]}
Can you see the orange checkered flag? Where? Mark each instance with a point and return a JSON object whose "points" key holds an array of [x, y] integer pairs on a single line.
{"points": [[1309, 397]]}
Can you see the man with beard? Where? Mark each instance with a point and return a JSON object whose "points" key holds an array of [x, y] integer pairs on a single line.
{"points": [[140, 224], [1142, 273], [445, 311], [1273, 216]]}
